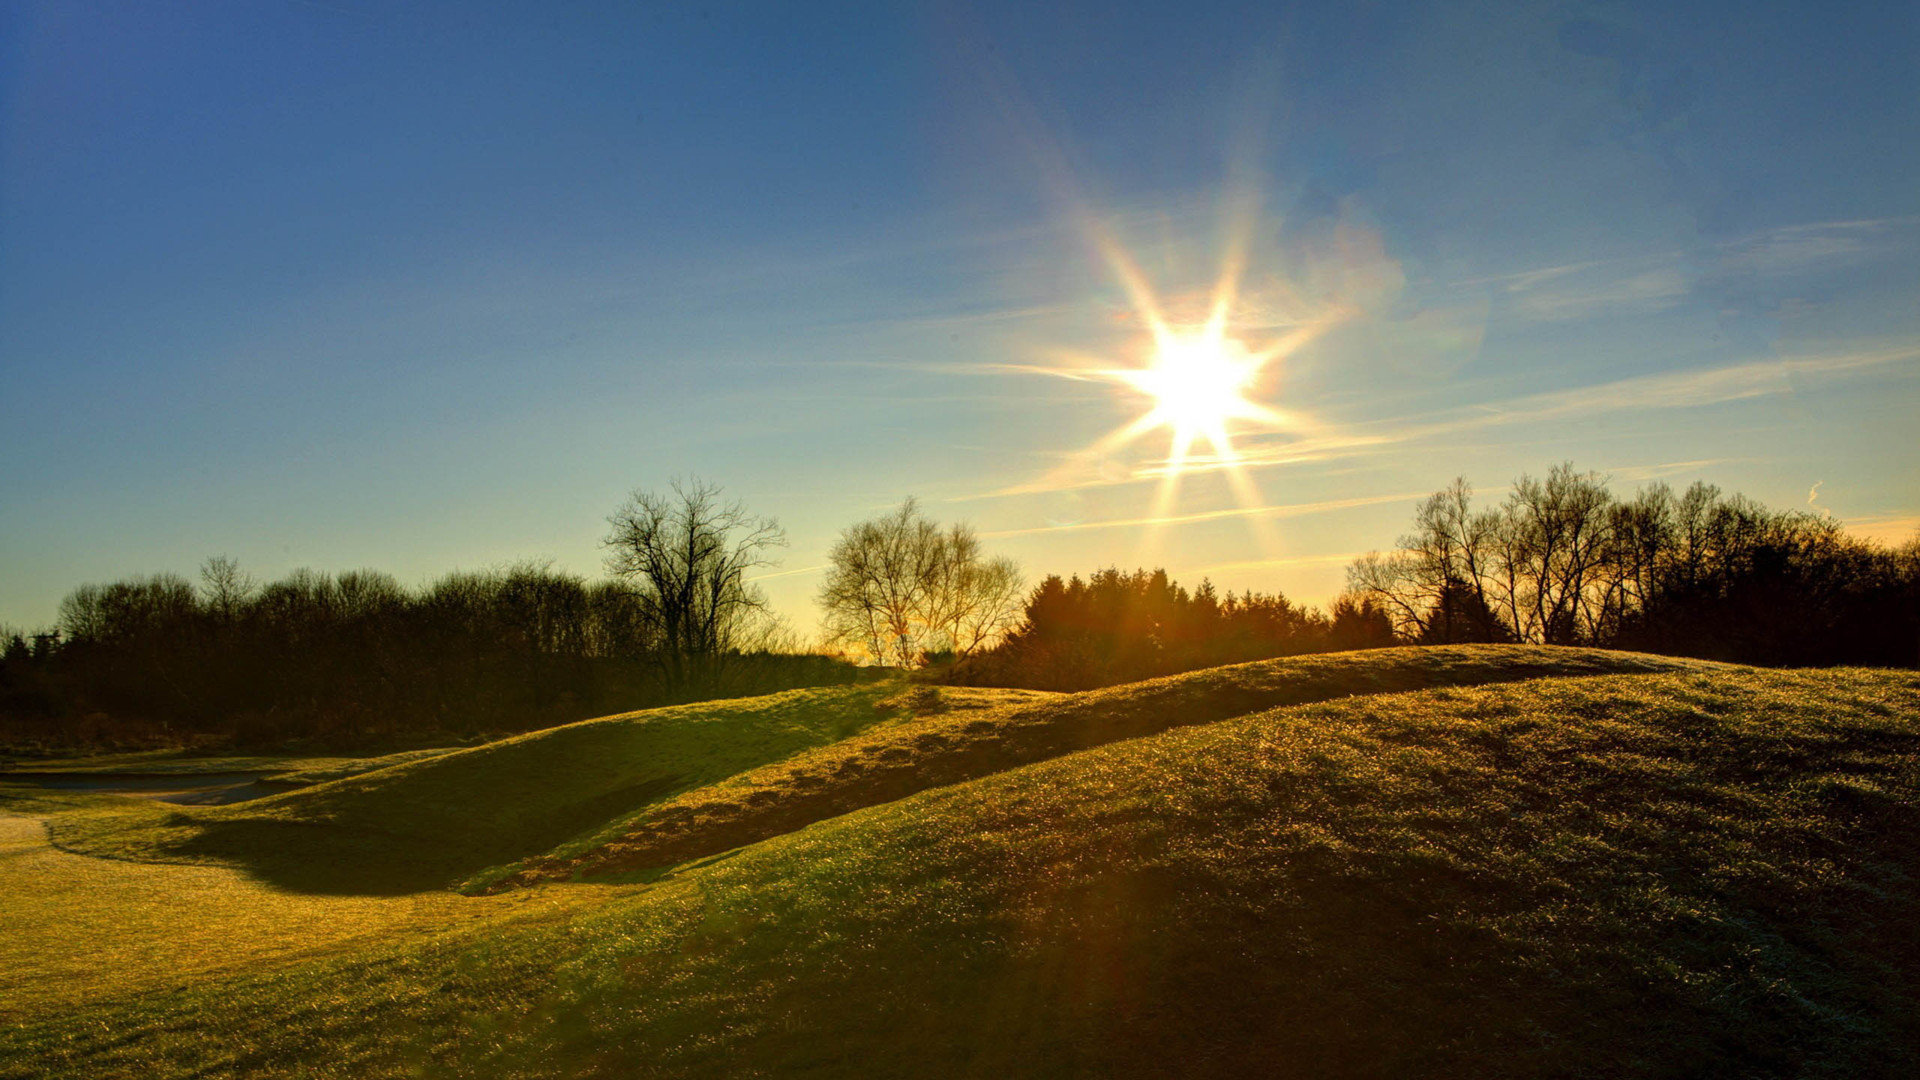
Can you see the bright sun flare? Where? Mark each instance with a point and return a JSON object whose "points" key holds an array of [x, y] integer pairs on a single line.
{"points": [[1198, 382], [1202, 383]]}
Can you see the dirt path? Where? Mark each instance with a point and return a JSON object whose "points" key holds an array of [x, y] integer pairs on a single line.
{"points": [[74, 928]]}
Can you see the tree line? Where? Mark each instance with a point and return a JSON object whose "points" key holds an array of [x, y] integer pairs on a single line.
{"points": [[1564, 561], [358, 659], [1561, 560], [905, 591], [1116, 627]]}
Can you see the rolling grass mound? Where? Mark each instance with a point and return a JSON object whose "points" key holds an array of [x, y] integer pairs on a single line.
{"points": [[426, 821], [634, 793], [1711, 872], [890, 763]]}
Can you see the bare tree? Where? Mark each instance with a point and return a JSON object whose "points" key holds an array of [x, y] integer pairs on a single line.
{"points": [[1394, 582], [1442, 571], [1545, 566], [688, 552], [972, 601], [224, 587], [878, 581], [1561, 553], [899, 586]]}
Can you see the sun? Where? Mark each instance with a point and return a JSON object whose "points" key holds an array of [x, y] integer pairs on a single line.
{"points": [[1198, 382], [1205, 380]]}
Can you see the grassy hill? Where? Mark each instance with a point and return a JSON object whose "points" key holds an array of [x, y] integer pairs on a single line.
{"points": [[1686, 870], [945, 748], [644, 790], [423, 822]]}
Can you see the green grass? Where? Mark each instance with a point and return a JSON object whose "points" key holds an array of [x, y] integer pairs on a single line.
{"points": [[892, 762], [1699, 872], [78, 927], [428, 821]]}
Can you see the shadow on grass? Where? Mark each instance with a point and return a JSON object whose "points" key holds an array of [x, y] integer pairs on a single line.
{"points": [[336, 860]]}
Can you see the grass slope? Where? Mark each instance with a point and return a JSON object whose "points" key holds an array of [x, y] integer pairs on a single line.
{"points": [[1696, 873], [427, 821], [891, 763], [76, 927]]}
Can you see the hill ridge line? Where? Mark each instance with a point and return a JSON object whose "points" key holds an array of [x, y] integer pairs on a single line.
{"points": [[883, 766]]}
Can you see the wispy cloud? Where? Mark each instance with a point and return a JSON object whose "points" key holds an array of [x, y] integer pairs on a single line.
{"points": [[1661, 280], [1664, 391], [1665, 468], [790, 573], [1684, 389], [1885, 528], [1642, 393], [1654, 289], [1173, 520]]}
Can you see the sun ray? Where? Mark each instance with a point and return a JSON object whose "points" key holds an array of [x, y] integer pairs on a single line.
{"points": [[1139, 294], [1168, 492], [1123, 436]]}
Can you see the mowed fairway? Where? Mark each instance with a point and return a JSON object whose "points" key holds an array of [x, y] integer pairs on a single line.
{"points": [[1682, 870]]}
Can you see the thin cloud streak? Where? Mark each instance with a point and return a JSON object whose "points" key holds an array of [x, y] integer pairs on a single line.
{"points": [[1284, 562], [1663, 279], [1665, 468], [1279, 511], [1886, 528], [1642, 393], [789, 573]]}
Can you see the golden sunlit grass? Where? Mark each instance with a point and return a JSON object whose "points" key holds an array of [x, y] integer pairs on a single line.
{"points": [[1704, 872], [76, 928], [964, 743], [425, 823]]}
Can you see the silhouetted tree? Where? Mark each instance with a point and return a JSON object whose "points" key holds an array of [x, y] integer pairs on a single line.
{"points": [[1118, 627], [1460, 615], [688, 552], [224, 588], [1359, 623], [1702, 574]]}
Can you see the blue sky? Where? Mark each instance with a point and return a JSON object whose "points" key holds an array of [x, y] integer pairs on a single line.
{"points": [[425, 286]]}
